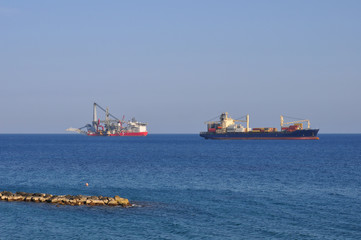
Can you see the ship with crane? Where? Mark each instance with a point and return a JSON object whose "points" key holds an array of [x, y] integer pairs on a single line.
{"points": [[111, 125], [228, 128]]}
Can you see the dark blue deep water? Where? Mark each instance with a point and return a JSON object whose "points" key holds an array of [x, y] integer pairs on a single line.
{"points": [[184, 187]]}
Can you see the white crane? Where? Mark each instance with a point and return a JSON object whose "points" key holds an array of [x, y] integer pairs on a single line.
{"points": [[286, 124]]}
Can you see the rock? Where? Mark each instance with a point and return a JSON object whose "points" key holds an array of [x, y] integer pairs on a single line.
{"points": [[6, 193], [10, 198], [55, 199], [18, 198], [112, 203], [43, 199], [35, 199], [80, 199], [28, 199], [97, 202], [122, 201], [63, 199], [22, 193], [72, 201]]}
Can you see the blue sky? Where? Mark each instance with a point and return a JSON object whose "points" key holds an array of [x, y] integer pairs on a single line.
{"points": [[176, 64]]}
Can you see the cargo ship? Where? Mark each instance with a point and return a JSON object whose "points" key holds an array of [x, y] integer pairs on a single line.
{"points": [[111, 126], [228, 128]]}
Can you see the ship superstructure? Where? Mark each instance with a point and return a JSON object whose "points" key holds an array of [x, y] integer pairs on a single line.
{"points": [[228, 128], [111, 125]]}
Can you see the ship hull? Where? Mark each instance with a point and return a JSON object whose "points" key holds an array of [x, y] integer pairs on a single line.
{"points": [[308, 134], [121, 134], [130, 134]]}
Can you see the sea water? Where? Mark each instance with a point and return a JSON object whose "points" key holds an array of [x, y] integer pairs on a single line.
{"points": [[183, 187]]}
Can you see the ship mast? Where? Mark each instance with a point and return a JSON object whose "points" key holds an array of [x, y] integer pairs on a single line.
{"points": [[107, 124], [95, 118], [247, 120]]}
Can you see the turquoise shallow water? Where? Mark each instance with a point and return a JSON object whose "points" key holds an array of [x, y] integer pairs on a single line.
{"points": [[184, 187]]}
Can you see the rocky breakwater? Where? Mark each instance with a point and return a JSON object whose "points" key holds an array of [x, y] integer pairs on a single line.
{"points": [[65, 199]]}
